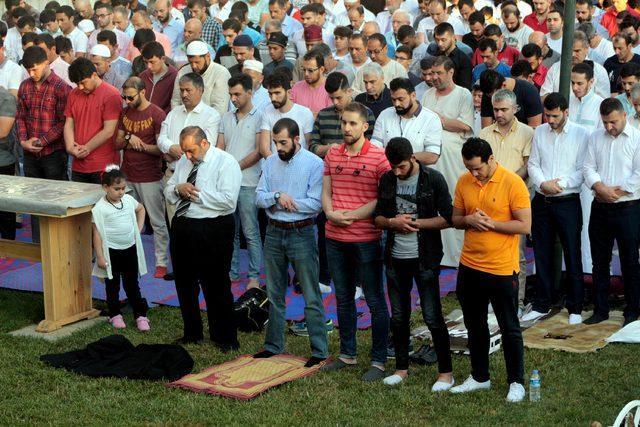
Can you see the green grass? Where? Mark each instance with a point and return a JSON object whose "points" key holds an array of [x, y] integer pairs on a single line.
{"points": [[577, 388]]}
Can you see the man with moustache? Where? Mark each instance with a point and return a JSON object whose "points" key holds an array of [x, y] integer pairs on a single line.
{"points": [[290, 190]]}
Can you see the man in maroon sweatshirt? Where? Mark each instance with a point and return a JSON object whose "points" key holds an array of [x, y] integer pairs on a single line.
{"points": [[159, 77]]}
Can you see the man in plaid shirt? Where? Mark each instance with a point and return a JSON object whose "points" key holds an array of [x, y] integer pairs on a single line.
{"points": [[40, 121], [211, 29]]}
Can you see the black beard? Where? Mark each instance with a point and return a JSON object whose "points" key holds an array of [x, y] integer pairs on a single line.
{"points": [[403, 111], [285, 157], [408, 174]]}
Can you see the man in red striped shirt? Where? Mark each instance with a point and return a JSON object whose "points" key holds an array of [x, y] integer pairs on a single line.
{"points": [[349, 193]]}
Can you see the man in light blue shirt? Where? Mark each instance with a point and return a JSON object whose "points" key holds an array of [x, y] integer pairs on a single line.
{"points": [[489, 53], [278, 12], [167, 24], [290, 190]]}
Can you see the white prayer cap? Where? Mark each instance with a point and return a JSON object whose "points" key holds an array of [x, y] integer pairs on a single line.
{"points": [[197, 47], [86, 26], [350, 1], [252, 64], [101, 50]]}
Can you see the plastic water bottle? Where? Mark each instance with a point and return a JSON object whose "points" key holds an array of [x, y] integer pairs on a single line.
{"points": [[534, 386]]}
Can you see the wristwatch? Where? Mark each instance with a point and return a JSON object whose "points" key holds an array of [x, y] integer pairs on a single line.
{"points": [[276, 196], [127, 136]]}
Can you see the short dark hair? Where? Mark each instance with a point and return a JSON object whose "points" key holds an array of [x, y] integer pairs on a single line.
{"points": [[492, 30], [405, 49], [521, 68], [29, 38], [342, 31], [241, 6], [8, 4], [557, 7], [3, 30], [336, 81], [194, 78], [237, 14], [67, 10], [280, 3], [192, 3], [18, 12], [609, 105], [476, 147], [583, 68], [402, 83], [465, 3], [142, 37], [134, 82], [623, 36], [443, 28], [46, 39], [380, 38], [278, 80], [26, 20], [241, 79], [80, 69], [63, 44], [101, 5], [530, 50], [232, 24], [356, 107], [315, 55], [427, 63], [107, 36], [405, 31], [487, 43], [47, 16], [444, 61], [33, 55], [152, 49], [630, 69], [476, 17], [490, 81], [398, 150], [113, 176], [555, 100], [287, 124]]}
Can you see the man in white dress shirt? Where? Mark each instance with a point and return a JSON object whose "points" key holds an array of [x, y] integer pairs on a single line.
{"points": [[612, 171], [65, 16], [192, 112], [205, 188], [555, 170]]}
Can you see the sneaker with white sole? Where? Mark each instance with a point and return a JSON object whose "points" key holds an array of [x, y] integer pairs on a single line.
{"points": [[471, 385], [575, 319], [440, 386], [533, 315], [324, 289], [300, 328], [516, 393]]}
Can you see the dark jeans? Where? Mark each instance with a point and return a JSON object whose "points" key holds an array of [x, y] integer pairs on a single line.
{"points": [[349, 262], [54, 166], [124, 264], [561, 218], [609, 223], [201, 251], [88, 178], [8, 219], [475, 289], [400, 279], [325, 277]]}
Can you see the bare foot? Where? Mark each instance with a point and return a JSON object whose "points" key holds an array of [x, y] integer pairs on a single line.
{"points": [[253, 283], [446, 377]]}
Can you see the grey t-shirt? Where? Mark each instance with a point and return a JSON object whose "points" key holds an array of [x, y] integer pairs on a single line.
{"points": [[7, 109], [405, 246]]}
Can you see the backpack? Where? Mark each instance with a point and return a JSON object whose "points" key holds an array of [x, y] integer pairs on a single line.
{"points": [[252, 310]]}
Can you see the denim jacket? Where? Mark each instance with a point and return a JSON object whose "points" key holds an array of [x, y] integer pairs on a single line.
{"points": [[433, 200]]}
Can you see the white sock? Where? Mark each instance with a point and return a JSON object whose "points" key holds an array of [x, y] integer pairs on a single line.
{"points": [[393, 379]]}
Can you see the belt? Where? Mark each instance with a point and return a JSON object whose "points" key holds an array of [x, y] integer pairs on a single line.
{"points": [[619, 205], [291, 225], [559, 199]]}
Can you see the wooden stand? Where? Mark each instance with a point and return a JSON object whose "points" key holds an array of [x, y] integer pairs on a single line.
{"points": [[65, 252]]}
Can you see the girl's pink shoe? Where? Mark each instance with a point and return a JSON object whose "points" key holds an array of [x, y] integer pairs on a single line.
{"points": [[117, 322], [143, 324]]}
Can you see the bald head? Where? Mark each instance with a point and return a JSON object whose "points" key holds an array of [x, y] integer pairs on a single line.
{"points": [[141, 19], [192, 30], [370, 28], [538, 37]]}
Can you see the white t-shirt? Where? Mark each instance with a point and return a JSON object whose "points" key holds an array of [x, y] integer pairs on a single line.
{"points": [[11, 75], [555, 44], [120, 232], [518, 38], [79, 41], [602, 52], [424, 129], [427, 25], [302, 116]]}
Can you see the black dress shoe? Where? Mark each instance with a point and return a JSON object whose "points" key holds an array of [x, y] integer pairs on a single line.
{"points": [[313, 361], [264, 354], [185, 341], [596, 318], [629, 319], [226, 347], [169, 276]]}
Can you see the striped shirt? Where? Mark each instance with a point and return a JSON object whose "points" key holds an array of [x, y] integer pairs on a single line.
{"points": [[354, 183], [327, 130]]}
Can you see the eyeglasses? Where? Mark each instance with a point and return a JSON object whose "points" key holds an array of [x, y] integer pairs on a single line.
{"points": [[356, 172], [310, 70], [130, 98], [103, 15]]}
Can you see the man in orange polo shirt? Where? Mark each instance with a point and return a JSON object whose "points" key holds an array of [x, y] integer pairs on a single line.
{"points": [[492, 205]]}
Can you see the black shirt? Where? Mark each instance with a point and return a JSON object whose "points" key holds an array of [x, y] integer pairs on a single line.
{"points": [[528, 101], [471, 41], [613, 66], [462, 73], [376, 105]]}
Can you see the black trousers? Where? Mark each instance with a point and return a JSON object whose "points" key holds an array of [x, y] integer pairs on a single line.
{"points": [[618, 222], [124, 264], [321, 221], [201, 251], [53, 166], [88, 178], [475, 289], [562, 218], [8, 219], [400, 279]]}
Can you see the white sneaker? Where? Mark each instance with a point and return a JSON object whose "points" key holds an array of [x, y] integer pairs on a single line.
{"points": [[440, 386], [575, 319], [324, 289], [393, 379], [533, 315], [516, 392], [471, 385], [359, 293]]}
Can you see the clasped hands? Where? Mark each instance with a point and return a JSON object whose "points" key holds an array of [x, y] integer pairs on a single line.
{"points": [[341, 218], [187, 191], [606, 194], [480, 221], [32, 145], [403, 223]]}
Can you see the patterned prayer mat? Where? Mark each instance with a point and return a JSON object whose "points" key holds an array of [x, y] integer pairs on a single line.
{"points": [[555, 333], [245, 377]]}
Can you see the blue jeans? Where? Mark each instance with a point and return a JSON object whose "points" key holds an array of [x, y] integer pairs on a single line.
{"points": [[298, 247], [349, 262], [247, 215]]}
